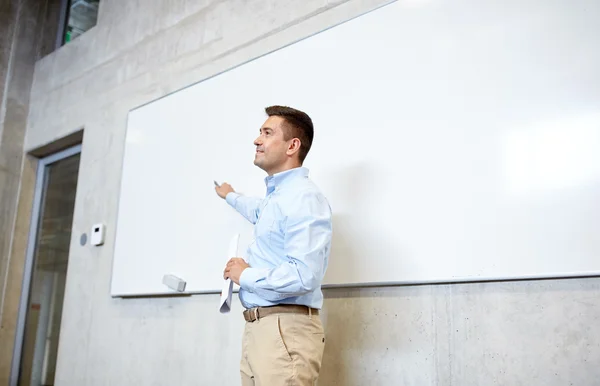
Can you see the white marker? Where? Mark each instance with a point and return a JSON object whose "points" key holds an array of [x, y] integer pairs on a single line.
{"points": [[217, 184]]}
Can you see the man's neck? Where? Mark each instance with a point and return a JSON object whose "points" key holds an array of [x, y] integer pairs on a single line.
{"points": [[284, 168]]}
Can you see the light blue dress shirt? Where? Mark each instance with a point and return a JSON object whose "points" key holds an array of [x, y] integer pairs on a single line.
{"points": [[292, 240]]}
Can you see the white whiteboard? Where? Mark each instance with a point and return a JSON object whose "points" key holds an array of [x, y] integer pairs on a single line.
{"points": [[455, 141]]}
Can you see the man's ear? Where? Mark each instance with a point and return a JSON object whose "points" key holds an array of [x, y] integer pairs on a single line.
{"points": [[293, 146]]}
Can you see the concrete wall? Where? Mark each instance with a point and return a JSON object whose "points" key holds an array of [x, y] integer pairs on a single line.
{"points": [[27, 30], [518, 333]]}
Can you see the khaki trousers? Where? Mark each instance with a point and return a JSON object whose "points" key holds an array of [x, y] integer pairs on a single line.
{"points": [[282, 349]]}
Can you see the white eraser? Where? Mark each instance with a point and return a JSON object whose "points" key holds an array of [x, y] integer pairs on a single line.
{"points": [[174, 283]]}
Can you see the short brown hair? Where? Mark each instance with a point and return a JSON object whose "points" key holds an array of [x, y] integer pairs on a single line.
{"points": [[299, 126]]}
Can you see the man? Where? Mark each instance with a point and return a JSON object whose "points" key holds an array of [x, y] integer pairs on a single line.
{"points": [[280, 285]]}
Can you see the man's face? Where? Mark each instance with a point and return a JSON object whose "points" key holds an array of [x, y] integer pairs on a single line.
{"points": [[271, 148]]}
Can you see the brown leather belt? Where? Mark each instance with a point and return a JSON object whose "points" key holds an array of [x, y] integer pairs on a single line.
{"points": [[256, 313]]}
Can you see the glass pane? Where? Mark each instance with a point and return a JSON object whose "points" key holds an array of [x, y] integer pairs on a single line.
{"points": [[42, 326], [83, 15]]}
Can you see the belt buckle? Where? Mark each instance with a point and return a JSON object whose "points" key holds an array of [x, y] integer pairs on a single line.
{"points": [[253, 314]]}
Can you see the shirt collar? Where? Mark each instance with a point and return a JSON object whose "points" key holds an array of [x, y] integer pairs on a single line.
{"points": [[278, 179]]}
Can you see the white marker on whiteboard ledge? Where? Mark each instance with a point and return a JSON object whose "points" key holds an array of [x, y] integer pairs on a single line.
{"points": [[174, 283]]}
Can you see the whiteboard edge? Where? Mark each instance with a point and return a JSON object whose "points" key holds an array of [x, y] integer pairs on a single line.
{"points": [[118, 209], [464, 280]]}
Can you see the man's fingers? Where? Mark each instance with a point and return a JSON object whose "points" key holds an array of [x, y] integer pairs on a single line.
{"points": [[233, 261]]}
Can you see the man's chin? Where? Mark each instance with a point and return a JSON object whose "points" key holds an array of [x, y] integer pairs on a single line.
{"points": [[259, 163]]}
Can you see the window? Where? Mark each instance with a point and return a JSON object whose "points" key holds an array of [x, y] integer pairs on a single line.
{"points": [[78, 16]]}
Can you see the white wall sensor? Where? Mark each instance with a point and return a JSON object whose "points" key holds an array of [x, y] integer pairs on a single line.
{"points": [[174, 283], [97, 234]]}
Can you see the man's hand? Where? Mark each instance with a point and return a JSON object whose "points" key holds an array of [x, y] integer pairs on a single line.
{"points": [[224, 189], [234, 269]]}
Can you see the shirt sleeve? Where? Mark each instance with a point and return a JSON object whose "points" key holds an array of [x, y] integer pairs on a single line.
{"points": [[246, 206], [307, 242]]}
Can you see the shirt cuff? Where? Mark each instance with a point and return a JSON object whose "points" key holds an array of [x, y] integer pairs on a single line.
{"points": [[231, 198], [250, 276]]}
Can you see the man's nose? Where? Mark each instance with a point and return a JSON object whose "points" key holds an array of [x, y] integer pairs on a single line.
{"points": [[257, 141]]}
